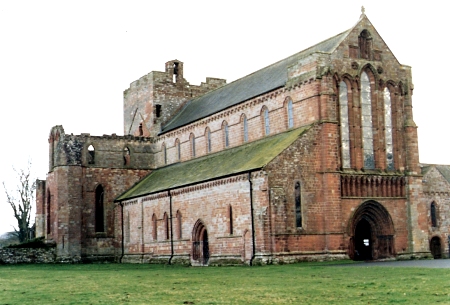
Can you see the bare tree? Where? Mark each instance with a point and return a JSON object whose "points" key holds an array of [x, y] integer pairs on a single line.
{"points": [[22, 203]]}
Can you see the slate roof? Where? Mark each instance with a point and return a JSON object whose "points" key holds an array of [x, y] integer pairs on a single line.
{"points": [[250, 86], [241, 159]]}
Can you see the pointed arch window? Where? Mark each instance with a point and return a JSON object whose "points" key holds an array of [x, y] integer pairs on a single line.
{"points": [[266, 122], [433, 215], [99, 209], [290, 113], [365, 44], [366, 122], [91, 154], [245, 127], [388, 129], [345, 131]]}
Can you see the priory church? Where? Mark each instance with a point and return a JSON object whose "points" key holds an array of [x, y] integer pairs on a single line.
{"points": [[314, 157]]}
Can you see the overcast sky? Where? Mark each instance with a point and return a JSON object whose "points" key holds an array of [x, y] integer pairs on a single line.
{"points": [[68, 62]]}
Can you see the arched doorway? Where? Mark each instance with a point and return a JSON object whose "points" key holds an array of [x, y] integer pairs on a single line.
{"points": [[435, 247], [372, 232], [200, 244]]}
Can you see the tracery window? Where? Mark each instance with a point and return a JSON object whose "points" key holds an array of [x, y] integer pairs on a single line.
{"points": [[345, 132], [290, 113], [245, 127], [433, 215], [99, 209], [366, 122], [388, 129]]}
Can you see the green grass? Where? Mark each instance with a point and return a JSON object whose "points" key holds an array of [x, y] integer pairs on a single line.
{"points": [[306, 283]]}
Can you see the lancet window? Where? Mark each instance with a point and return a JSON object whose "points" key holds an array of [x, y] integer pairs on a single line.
{"points": [[366, 122], [345, 132], [388, 129]]}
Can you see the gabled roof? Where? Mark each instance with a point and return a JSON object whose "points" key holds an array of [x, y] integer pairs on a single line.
{"points": [[444, 170], [250, 86], [254, 155]]}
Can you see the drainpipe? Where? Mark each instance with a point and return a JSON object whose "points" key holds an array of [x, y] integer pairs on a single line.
{"points": [[123, 238], [253, 219], [171, 228]]}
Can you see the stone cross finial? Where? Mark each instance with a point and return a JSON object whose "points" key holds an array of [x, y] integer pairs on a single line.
{"points": [[363, 10]]}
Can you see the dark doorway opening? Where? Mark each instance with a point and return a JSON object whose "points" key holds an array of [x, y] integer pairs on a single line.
{"points": [[363, 240], [435, 247], [200, 244], [371, 232]]}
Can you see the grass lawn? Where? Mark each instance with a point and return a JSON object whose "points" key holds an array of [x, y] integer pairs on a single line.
{"points": [[306, 283]]}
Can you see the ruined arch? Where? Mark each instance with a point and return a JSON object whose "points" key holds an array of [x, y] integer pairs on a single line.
{"points": [[372, 232], [200, 244]]}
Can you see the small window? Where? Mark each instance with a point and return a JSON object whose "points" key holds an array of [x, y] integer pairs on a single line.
{"points": [[178, 146], [298, 205], [126, 156], [49, 219], [158, 110], [208, 140], [154, 227], [164, 152], [230, 212], [365, 45], [91, 154], [226, 140], [166, 226], [245, 127], [433, 215], [128, 228], [290, 112], [99, 210], [266, 122], [192, 145], [179, 226]]}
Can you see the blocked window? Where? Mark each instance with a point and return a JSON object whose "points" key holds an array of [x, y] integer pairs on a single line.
{"points": [[192, 140], [433, 215], [245, 127], [178, 147], [344, 122], [290, 114], [91, 154], [99, 209], [298, 205], [127, 228], [164, 152], [266, 121], [226, 139], [208, 140]]}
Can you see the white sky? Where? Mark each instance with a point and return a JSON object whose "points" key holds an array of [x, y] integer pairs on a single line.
{"points": [[68, 62]]}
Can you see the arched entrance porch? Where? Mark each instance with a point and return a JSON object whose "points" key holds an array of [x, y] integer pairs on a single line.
{"points": [[200, 245], [372, 232]]}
